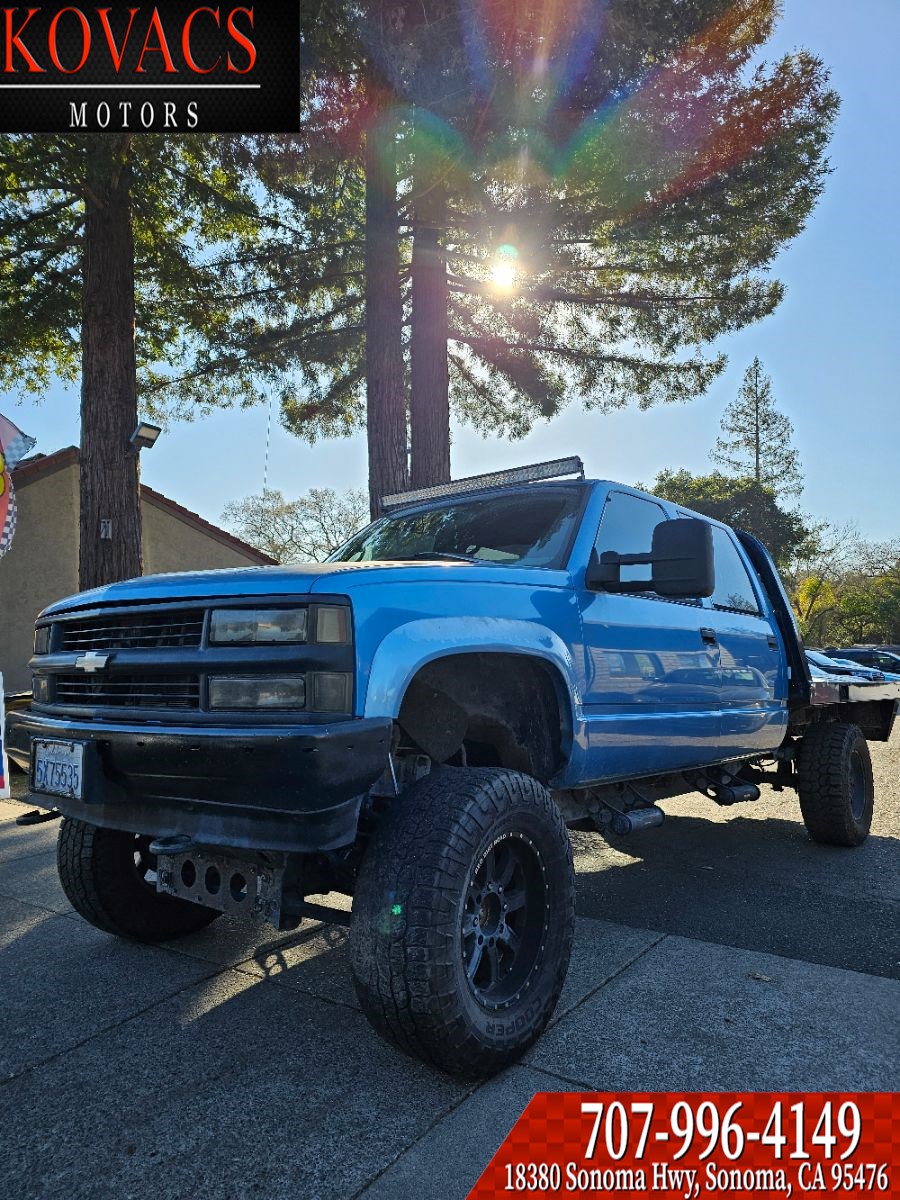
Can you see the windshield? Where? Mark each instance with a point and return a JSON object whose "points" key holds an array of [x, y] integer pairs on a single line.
{"points": [[529, 529], [821, 660]]}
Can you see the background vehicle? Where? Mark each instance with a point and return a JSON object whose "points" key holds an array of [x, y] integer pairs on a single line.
{"points": [[842, 666], [868, 656], [417, 721]]}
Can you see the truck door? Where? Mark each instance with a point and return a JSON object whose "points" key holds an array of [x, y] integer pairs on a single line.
{"points": [[651, 690], [752, 658]]}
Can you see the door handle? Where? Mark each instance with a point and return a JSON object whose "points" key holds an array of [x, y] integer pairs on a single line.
{"points": [[772, 641], [709, 637]]}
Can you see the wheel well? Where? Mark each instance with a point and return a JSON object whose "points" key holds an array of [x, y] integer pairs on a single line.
{"points": [[488, 709]]}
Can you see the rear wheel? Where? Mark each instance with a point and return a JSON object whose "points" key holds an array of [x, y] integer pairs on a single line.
{"points": [[835, 784], [109, 878], [463, 918]]}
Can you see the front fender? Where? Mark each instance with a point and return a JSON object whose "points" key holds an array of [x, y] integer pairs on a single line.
{"points": [[411, 646]]}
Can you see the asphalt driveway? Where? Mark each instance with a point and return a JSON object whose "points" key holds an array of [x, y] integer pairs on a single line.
{"points": [[722, 951]]}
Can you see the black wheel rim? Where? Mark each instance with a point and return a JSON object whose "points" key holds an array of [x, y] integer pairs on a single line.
{"points": [[144, 861], [858, 786], [505, 920]]}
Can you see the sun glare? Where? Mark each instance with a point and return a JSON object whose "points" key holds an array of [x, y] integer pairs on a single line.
{"points": [[503, 275]]}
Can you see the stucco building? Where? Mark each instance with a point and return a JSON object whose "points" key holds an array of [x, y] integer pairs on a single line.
{"points": [[42, 563]]}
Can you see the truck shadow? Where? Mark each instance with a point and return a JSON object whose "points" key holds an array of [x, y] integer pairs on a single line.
{"points": [[754, 884], [315, 961], [743, 882]]}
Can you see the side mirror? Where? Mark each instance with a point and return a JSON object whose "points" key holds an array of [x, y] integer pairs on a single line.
{"points": [[681, 558]]}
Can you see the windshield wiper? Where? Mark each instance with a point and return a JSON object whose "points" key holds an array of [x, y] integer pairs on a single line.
{"points": [[426, 554]]}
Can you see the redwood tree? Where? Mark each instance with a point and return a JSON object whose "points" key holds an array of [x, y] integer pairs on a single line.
{"points": [[630, 159], [386, 423], [641, 169], [110, 485], [429, 381], [117, 261]]}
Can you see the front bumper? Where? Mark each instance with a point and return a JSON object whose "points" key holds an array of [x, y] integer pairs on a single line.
{"points": [[291, 788]]}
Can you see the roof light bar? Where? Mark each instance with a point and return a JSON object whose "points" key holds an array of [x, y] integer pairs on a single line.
{"points": [[556, 468]]}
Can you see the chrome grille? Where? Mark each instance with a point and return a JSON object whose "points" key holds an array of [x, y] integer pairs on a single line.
{"points": [[142, 631], [130, 691]]}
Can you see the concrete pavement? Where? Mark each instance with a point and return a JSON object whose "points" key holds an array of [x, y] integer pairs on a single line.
{"points": [[723, 951]]}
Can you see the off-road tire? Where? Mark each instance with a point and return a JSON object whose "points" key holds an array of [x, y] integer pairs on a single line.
{"points": [[105, 885], [416, 918], [835, 784]]}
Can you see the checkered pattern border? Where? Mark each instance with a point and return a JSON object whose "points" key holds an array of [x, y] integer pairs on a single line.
{"points": [[546, 1150], [9, 524], [17, 448]]}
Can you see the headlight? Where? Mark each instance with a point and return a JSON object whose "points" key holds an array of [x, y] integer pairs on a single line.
{"points": [[319, 691], [42, 639], [257, 691], [254, 626]]}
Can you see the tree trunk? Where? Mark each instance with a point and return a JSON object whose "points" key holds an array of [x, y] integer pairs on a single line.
{"points": [[430, 406], [385, 388], [110, 521]]}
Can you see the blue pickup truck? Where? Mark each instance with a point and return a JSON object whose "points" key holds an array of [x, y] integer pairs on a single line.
{"points": [[418, 722]]}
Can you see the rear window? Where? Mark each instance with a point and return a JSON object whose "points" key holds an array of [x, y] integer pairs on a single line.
{"points": [[733, 591]]}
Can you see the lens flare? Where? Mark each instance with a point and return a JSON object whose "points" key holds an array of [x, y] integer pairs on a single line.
{"points": [[503, 276], [657, 135]]}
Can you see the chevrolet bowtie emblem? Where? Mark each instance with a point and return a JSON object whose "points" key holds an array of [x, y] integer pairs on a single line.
{"points": [[92, 662]]}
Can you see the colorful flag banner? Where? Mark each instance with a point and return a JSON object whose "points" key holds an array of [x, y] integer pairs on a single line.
{"points": [[14, 445]]}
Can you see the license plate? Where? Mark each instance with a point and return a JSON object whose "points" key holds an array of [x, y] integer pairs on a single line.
{"points": [[58, 768]]}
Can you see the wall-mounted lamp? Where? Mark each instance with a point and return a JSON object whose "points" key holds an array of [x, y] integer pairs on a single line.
{"points": [[144, 436]]}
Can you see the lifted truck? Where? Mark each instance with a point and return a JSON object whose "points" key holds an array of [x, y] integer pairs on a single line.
{"points": [[417, 721]]}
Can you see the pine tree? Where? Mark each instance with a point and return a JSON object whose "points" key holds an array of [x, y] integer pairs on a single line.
{"points": [[756, 437], [632, 173], [643, 209], [116, 264]]}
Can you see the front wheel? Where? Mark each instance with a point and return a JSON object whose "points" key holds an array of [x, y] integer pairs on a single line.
{"points": [[109, 878], [835, 784], [463, 919]]}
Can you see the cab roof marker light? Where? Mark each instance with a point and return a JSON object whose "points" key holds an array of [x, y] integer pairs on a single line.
{"points": [[556, 468]]}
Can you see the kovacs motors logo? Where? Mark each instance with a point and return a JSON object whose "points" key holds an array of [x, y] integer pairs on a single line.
{"points": [[168, 67]]}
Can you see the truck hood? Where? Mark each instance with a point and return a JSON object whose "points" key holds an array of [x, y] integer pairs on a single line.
{"points": [[298, 580]]}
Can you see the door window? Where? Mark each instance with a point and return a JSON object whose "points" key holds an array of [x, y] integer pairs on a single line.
{"points": [[734, 591], [627, 527]]}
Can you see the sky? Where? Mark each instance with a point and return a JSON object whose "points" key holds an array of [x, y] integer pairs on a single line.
{"points": [[831, 348]]}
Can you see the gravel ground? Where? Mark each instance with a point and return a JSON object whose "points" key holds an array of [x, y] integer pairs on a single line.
{"points": [[749, 876]]}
